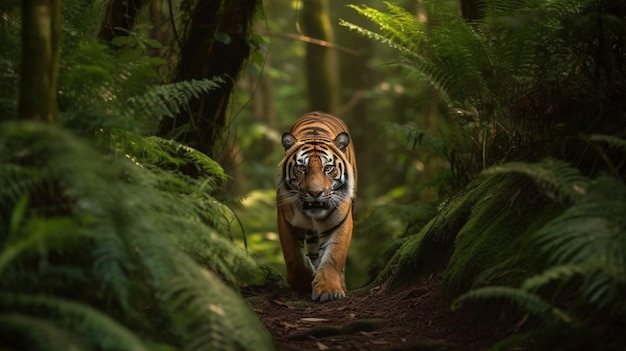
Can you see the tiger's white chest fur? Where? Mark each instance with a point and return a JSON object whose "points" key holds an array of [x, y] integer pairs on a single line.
{"points": [[299, 220]]}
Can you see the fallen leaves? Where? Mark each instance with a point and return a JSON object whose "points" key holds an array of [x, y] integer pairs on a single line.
{"points": [[314, 320]]}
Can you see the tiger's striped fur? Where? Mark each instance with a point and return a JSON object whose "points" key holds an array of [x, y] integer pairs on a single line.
{"points": [[316, 188]]}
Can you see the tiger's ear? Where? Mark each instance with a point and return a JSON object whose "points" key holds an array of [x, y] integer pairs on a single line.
{"points": [[288, 140], [342, 140]]}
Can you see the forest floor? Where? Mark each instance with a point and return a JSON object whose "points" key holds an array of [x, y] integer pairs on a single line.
{"points": [[416, 316]]}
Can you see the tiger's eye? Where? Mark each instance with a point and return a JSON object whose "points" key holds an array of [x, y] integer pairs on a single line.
{"points": [[328, 168], [301, 168]]}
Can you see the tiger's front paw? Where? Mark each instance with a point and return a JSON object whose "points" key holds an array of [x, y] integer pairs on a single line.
{"points": [[327, 295], [327, 287]]}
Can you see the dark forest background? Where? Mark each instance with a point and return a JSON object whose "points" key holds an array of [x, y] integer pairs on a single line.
{"points": [[140, 138]]}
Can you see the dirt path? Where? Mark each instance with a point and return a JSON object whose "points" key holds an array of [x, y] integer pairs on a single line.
{"points": [[415, 317]]}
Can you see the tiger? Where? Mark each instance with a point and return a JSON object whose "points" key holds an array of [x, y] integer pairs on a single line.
{"points": [[316, 188]]}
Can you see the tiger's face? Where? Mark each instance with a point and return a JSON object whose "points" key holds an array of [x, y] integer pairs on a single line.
{"points": [[316, 175]]}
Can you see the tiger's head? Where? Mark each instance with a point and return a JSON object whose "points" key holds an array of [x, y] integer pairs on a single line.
{"points": [[316, 174]]}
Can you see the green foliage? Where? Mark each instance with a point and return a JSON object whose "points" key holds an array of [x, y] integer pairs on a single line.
{"points": [[97, 328], [493, 241], [556, 178], [417, 138], [128, 93], [167, 100], [111, 239], [389, 224], [136, 234], [580, 290], [520, 81], [528, 80]]}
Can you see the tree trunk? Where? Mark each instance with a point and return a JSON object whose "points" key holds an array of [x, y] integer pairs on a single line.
{"points": [[322, 63], [216, 45], [469, 10], [41, 28], [118, 13]]}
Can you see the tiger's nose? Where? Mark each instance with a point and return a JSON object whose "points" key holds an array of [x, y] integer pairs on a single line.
{"points": [[315, 194]]}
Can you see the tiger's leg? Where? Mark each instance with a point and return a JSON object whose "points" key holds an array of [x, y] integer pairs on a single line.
{"points": [[312, 247], [299, 267], [329, 283]]}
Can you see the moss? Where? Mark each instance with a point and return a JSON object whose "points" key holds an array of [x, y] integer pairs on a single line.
{"points": [[432, 245], [482, 234], [495, 243]]}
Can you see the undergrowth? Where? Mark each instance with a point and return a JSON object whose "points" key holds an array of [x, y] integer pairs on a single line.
{"points": [[111, 238]]}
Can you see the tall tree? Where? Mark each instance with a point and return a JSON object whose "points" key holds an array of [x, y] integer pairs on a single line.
{"points": [[322, 62], [41, 27], [215, 44]]}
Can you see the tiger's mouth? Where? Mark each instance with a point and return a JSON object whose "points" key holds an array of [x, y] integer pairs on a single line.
{"points": [[315, 205]]}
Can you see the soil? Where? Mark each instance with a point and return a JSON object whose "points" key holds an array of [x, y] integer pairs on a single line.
{"points": [[416, 316]]}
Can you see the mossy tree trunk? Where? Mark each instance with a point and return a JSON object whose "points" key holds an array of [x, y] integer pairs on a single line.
{"points": [[322, 63], [215, 45], [41, 28]]}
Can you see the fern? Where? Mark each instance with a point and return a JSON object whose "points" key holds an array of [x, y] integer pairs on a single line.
{"points": [[519, 77], [104, 332], [449, 53], [556, 178], [134, 232], [167, 154], [581, 288], [170, 99], [202, 306], [399, 29], [609, 140], [528, 301], [592, 235], [111, 261], [558, 273], [32, 333], [592, 229], [96, 81]]}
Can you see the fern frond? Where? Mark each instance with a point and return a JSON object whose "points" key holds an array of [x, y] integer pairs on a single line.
{"points": [[375, 36], [435, 75], [168, 100], [589, 238], [562, 8], [99, 329], [604, 288], [556, 178], [132, 219], [449, 54], [559, 273], [165, 153], [200, 301], [601, 286], [398, 28], [462, 53], [41, 235], [111, 265], [610, 140], [32, 333], [528, 301], [592, 230], [19, 179]]}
